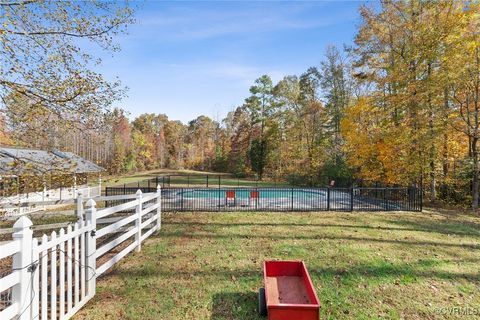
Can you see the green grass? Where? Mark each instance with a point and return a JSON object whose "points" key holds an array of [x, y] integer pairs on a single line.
{"points": [[179, 179], [200, 180], [37, 219], [363, 265], [116, 180], [41, 219]]}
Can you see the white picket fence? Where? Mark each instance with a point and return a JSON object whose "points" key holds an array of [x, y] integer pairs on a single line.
{"points": [[17, 205], [52, 278]]}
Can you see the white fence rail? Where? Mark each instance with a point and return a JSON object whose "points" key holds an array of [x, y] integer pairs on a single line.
{"points": [[54, 276], [21, 204]]}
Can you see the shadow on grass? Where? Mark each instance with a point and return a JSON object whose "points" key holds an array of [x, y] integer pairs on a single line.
{"points": [[468, 229], [317, 237], [380, 271], [448, 227], [234, 306]]}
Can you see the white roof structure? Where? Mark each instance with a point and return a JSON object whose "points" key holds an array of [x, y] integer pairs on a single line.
{"points": [[19, 161]]}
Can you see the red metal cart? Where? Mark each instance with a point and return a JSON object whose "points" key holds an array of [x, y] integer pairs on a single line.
{"points": [[288, 292]]}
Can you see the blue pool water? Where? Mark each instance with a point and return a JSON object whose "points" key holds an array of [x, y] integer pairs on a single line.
{"points": [[264, 193]]}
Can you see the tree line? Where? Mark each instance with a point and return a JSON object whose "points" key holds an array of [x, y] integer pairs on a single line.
{"points": [[281, 130], [400, 106]]}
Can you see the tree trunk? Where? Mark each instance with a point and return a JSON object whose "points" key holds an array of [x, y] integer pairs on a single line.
{"points": [[445, 135], [475, 181], [432, 153], [433, 182], [433, 176]]}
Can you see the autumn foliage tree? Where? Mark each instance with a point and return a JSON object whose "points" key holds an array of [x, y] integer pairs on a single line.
{"points": [[399, 107], [42, 59], [423, 87]]}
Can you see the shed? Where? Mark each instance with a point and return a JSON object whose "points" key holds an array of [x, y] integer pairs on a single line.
{"points": [[23, 169]]}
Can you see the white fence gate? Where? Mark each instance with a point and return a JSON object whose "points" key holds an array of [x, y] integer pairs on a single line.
{"points": [[54, 277]]}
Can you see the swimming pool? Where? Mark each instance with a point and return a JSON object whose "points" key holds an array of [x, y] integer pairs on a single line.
{"points": [[269, 199], [284, 199], [263, 193]]}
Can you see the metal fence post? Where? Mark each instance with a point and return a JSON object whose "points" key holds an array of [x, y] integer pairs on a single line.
{"points": [[328, 199], [386, 199], [292, 199], [22, 262], [207, 180], [351, 199], [181, 203], [159, 208], [138, 221], [382, 199], [107, 193], [91, 246], [420, 191]]}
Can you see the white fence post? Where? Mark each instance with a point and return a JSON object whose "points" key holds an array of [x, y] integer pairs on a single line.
{"points": [[138, 221], [22, 262], [35, 310], [159, 208], [56, 292], [74, 186], [44, 194], [79, 207], [91, 243]]}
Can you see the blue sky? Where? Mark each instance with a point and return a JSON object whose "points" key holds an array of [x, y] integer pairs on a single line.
{"points": [[185, 59]]}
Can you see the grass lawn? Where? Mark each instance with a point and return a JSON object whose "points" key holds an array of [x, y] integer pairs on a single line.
{"points": [[199, 179], [363, 265], [110, 181], [41, 219], [180, 179]]}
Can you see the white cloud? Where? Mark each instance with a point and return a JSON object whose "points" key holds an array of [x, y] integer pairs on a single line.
{"points": [[199, 23], [241, 73]]}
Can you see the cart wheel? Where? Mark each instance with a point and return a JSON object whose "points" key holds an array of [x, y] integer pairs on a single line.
{"points": [[262, 303]]}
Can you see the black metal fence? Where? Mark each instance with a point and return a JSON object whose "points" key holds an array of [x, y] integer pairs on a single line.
{"points": [[205, 181], [282, 199], [225, 180], [163, 181]]}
